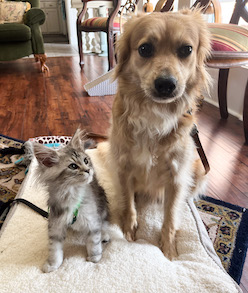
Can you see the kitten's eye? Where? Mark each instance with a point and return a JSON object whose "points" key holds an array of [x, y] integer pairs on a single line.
{"points": [[146, 50], [73, 166], [184, 51], [86, 161]]}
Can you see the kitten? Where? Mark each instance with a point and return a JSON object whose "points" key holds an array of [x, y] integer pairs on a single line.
{"points": [[72, 185]]}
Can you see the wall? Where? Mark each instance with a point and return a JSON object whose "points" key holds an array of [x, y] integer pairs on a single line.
{"points": [[235, 90], [71, 18]]}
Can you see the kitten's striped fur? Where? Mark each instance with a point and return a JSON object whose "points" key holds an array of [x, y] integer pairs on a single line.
{"points": [[69, 176]]}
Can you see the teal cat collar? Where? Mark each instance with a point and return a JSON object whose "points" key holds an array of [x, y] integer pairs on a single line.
{"points": [[75, 213]]}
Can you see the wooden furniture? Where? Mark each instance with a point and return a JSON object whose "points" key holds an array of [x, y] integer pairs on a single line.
{"points": [[18, 40], [224, 58], [167, 5], [93, 7], [215, 9], [211, 7], [110, 25], [164, 5]]}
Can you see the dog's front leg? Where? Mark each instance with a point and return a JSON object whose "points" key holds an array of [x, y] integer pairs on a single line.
{"points": [[172, 204], [130, 214]]}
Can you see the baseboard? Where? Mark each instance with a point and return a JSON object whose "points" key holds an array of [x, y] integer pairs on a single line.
{"points": [[230, 111]]}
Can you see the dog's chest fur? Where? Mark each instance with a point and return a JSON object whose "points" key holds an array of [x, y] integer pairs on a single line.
{"points": [[152, 147], [159, 161]]}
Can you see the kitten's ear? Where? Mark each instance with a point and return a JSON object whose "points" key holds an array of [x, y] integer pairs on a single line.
{"points": [[89, 144], [45, 156], [78, 139]]}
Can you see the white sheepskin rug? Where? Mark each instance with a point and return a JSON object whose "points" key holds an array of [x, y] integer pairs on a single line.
{"points": [[139, 266]]}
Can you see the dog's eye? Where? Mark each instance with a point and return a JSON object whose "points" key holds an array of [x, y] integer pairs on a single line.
{"points": [[73, 166], [184, 51], [146, 50]]}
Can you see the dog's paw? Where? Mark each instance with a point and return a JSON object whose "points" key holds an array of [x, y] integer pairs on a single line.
{"points": [[169, 252], [48, 268], [94, 258], [130, 230], [168, 245]]}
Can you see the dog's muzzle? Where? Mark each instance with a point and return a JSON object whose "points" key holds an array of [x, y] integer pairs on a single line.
{"points": [[165, 86]]}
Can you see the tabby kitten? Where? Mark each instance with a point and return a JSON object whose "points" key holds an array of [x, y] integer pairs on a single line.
{"points": [[76, 199]]}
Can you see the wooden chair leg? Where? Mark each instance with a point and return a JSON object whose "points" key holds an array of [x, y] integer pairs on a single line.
{"points": [[42, 58], [114, 46], [222, 92], [110, 40], [245, 114], [80, 47]]}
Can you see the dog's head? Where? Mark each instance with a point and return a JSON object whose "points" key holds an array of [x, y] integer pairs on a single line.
{"points": [[163, 54]]}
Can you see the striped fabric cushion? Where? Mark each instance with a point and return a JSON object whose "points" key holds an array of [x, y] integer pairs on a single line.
{"points": [[229, 37], [100, 22]]}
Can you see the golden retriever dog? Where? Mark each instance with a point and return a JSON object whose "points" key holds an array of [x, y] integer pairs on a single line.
{"points": [[161, 75]]}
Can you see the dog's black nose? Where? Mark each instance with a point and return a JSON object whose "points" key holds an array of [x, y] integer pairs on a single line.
{"points": [[165, 86]]}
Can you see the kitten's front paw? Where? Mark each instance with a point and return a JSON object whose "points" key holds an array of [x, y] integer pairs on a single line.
{"points": [[94, 258], [105, 237], [48, 268]]}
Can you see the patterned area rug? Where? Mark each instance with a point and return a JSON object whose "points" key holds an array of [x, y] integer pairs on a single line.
{"points": [[11, 175], [227, 225]]}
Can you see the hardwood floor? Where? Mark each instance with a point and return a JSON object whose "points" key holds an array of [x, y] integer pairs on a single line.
{"points": [[32, 104]]}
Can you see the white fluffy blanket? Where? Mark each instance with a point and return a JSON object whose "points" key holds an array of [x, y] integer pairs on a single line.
{"points": [[125, 267]]}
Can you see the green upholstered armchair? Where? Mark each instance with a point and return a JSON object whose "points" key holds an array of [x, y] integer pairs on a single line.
{"points": [[18, 40]]}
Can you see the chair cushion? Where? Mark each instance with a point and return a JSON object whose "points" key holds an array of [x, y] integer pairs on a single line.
{"points": [[229, 37], [13, 11], [100, 22], [14, 32]]}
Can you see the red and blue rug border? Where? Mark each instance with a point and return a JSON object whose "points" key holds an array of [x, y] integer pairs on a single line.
{"points": [[8, 137], [241, 244]]}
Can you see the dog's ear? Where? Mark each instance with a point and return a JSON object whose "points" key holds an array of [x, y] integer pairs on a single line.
{"points": [[204, 52], [204, 46], [123, 46], [204, 49], [186, 11]]}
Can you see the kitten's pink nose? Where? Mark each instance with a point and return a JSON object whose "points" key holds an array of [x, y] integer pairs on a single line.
{"points": [[87, 171]]}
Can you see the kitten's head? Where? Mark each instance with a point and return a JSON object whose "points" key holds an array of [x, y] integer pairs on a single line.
{"points": [[69, 165]]}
